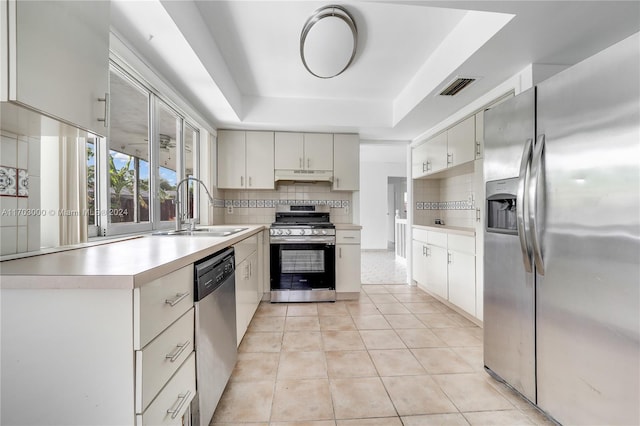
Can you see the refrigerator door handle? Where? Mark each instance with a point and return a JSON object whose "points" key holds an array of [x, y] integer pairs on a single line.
{"points": [[521, 203], [536, 170]]}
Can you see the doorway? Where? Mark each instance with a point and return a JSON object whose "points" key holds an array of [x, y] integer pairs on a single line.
{"points": [[396, 208]]}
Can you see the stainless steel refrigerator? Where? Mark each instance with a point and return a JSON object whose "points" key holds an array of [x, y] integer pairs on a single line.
{"points": [[562, 240]]}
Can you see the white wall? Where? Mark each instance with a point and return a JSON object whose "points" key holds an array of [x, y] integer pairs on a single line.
{"points": [[377, 163]]}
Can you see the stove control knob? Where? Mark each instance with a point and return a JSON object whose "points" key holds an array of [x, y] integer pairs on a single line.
{"points": [[287, 231], [324, 232], [315, 232]]}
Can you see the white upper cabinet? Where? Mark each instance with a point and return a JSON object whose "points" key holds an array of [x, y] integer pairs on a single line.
{"points": [[479, 134], [437, 153], [245, 160], [308, 151], [259, 160], [289, 151], [55, 59], [461, 142], [453, 147], [231, 159], [346, 162], [419, 161], [318, 151]]}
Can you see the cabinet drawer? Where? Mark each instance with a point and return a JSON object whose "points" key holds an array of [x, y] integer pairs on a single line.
{"points": [[420, 235], [161, 302], [157, 362], [462, 243], [347, 237], [244, 248], [437, 238], [171, 404]]}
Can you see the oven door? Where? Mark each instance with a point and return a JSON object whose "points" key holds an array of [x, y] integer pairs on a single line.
{"points": [[302, 271]]}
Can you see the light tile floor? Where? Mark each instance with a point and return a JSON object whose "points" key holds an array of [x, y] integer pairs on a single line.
{"points": [[395, 357], [382, 267]]}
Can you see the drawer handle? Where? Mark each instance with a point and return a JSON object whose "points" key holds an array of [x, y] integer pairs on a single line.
{"points": [[182, 399], [349, 238], [179, 349], [177, 299]]}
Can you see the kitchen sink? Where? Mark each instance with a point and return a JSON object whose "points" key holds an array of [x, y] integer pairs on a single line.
{"points": [[204, 232]]}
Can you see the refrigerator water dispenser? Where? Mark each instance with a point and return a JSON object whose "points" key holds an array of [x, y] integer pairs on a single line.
{"points": [[501, 206]]}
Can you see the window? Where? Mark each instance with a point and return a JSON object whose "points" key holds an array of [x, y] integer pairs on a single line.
{"points": [[169, 127], [92, 187], [132, 175], [191, 148], [91, 182], [128, 155]]}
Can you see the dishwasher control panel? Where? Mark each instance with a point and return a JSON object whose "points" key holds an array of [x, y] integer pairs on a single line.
{"points": [[213, 271]]}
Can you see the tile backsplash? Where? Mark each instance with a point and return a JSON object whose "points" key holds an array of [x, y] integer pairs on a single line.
{"points": [[450, 199], [246, 206], [19, 194]]}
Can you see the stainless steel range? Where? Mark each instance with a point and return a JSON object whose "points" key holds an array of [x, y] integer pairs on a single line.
{"points": [[302, 241]]}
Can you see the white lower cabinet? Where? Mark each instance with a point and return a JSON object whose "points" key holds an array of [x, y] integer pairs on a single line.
{"points": [[437, 277], [348, 279], [170, 405], [248, 286], [462, 280], [99, 356], [445, 265], [419, 265], [159, 360]]}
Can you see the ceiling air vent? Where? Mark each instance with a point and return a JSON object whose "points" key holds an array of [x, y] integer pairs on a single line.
{"points": [[457, 85]]}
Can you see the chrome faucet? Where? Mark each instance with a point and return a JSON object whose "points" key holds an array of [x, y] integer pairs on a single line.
{"points": [[179, 214]]}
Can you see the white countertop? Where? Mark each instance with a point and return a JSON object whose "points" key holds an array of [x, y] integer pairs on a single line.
{"points": [[114, 265], [347, 226], [448, 229]]}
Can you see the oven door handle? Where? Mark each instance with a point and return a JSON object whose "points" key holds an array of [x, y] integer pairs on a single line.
{"points": [[316, 241]]}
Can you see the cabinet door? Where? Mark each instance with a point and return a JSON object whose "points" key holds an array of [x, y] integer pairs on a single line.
{"points": [[254, 285], [419, 161], [231, 159], [462, 280], [318, 151], [348, 278], [346, 162], [436, 271], [479, 134], [461, 141], [289, 151], [266, 263], [260, 160], [437, 153], [244, 298], [61, 62], [479, 193], [419, 265]]}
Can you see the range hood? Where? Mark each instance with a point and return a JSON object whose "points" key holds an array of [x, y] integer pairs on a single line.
{"points": [[304, 175]]}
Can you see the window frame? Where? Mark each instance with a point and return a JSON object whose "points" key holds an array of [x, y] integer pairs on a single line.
{"points": [[104, 227]]}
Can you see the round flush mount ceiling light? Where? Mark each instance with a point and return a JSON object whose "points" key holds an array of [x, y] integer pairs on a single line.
{"points": [[328, 41]]}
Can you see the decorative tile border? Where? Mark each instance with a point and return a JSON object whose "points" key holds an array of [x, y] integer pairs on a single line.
{"points": [[14, 182], [252, 204], [445, 205]]}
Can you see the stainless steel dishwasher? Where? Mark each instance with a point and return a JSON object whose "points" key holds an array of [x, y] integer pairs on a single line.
{"points": [[215, 329]]}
